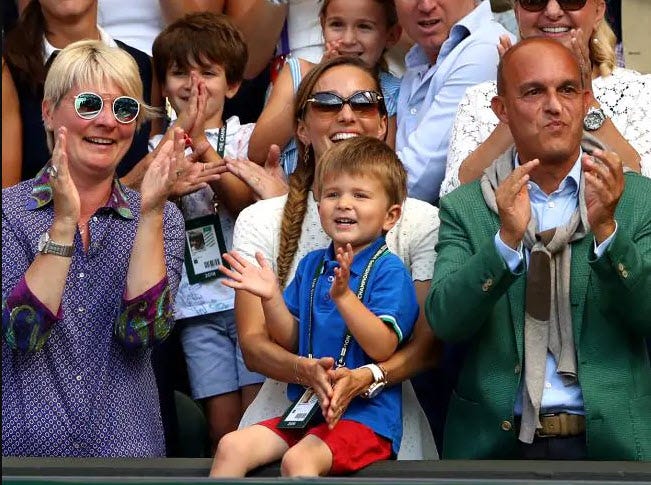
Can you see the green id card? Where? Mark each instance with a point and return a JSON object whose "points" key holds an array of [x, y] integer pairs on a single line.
{"points": [[204, 246]]}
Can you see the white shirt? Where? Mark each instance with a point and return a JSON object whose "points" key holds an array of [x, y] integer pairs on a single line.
{"points": [[211, 296]]}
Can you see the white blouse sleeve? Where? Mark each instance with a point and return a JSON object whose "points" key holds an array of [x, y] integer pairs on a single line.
{"points": [[625, 97], [473, 123], [257, 228], [423, 230]]}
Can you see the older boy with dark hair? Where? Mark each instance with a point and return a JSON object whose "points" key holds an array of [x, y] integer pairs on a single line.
{"points": [[199, 61]]}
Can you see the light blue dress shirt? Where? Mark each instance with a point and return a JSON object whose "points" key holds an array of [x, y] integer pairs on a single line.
{"points": [[550, 211], [430, 94]]}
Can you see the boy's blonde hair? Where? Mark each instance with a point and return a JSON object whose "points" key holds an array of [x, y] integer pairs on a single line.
{"points": [[93, 63], [368, 157]]}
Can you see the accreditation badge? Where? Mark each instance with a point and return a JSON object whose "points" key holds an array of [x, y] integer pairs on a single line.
{"points": [[300, 412], [204, 246]]}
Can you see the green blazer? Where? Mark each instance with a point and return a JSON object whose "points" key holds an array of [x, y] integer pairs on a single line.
{"points": [[475, 298]]}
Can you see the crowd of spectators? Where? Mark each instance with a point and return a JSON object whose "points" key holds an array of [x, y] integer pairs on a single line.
{"points": [[197, 191]]}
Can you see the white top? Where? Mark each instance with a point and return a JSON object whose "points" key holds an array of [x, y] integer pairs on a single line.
{"points": [[413, 239], [211, 296], [625, 97], [304, 30], [136, 23]]}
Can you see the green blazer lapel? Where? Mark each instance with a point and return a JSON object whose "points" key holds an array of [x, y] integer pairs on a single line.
{"points": [[579, 278]]}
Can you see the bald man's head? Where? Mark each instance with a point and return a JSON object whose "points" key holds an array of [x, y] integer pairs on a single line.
{"points": [[531, 48], [542, 100]]}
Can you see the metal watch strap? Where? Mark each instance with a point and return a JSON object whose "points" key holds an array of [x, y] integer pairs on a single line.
{"points": [[58, 249]]}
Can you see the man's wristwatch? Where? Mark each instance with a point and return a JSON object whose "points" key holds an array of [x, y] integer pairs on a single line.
{"points": [[379, 381], [47, 246], [594, 118]]}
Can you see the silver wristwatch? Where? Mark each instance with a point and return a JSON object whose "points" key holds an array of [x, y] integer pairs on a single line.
{"points": [[594, 118], [47, 246], [379, 381]]}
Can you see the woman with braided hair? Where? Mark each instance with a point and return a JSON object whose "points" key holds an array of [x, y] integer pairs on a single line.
{"points": [[337, 100]]}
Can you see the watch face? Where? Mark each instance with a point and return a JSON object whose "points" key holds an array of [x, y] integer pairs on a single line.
{"points": [[42, 241], [375, 389], [594, 119]]}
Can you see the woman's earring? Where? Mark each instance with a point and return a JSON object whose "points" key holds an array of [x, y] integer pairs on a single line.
{"points": [[306, 155]]}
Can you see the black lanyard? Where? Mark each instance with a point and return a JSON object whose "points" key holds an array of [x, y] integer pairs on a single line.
{"points": [[360, 294], [221, 141]]}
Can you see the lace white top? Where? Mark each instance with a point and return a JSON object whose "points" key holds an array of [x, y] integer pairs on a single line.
{"points": [[625, 97], [413, 239]]}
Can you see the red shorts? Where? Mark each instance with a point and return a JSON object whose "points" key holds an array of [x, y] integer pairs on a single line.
{"points": [[353, 445]]}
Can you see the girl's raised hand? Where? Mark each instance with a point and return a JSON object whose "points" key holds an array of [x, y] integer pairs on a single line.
{"points": [[331, 50]]}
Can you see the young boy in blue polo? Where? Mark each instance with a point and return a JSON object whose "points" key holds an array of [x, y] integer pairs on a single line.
{"points": [[353, 301]]}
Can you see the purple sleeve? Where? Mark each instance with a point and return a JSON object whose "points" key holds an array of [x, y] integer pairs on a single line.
{"points": [[146, 319], [26, 322]]}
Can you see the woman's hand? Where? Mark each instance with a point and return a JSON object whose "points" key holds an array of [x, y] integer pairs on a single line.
{"points": [[582, 54], [347, 384], [504, 45], [67, 205], [158, 180], [266, 182], [243, 275]]}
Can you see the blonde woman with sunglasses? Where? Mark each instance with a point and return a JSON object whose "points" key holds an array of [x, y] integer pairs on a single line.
{"points": [[621, 98], [89, 271]]}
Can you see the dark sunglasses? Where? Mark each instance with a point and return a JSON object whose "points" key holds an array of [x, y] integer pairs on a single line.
{"points": [[361, 102], [89, 105], [539, 5]]}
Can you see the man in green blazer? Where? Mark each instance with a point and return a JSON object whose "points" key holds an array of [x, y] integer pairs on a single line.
{"points": [[544, 270]]}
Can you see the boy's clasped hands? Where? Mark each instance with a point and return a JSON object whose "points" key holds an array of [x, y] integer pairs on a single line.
{"points": [[335, 387]]}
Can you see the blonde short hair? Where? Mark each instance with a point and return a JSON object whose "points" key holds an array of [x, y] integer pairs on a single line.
{"points": [[93, 63], [368, 157]]}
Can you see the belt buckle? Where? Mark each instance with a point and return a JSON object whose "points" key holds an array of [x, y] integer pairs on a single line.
{"points": [[541, 434]]}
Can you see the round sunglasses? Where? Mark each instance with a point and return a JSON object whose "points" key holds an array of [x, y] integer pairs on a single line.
{"points": [[539, 5], [89, 105], [361, 102]]}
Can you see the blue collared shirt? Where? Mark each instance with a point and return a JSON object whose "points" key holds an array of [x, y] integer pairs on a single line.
{"points": [[429, 96], [550, 211]]}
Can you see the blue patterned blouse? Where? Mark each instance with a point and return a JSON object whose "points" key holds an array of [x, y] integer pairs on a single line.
{"points": [[80, 383]]}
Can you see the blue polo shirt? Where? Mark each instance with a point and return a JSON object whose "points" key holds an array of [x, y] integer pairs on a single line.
{"points": [[390, 295]]}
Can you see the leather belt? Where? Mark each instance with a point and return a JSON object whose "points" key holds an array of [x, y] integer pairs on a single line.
{"points": [[561, 425]]}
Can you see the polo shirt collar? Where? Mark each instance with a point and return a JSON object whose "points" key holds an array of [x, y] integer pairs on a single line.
{"points": [[41, 195], [360, 260]]}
